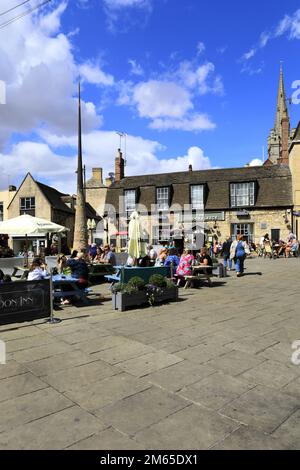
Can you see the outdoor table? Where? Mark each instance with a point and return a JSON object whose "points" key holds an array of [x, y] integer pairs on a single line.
{"points": [[71, 287], [97, 270], [199, 271]]}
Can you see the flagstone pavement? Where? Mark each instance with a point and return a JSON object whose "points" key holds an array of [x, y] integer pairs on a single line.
{"points": [[213, 371]]}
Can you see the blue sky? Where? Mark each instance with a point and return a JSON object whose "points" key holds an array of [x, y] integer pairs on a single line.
{"points": [[188, 81]]}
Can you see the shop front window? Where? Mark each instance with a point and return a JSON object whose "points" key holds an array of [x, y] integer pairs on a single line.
{"points": [[246, 230]]}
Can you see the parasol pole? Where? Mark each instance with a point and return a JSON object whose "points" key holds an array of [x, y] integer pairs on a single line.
{"points": [[52, 320]]}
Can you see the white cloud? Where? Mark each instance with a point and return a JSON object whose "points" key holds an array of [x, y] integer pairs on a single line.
{"points": [[255, 162], [198, 122], [136, 68], [248, 55], [169, 99], [117, 4], [94, 75], [123, 14], [200, 78], [200, 47], [40, 71], [157, 98], [47, 160], [289, 25]]}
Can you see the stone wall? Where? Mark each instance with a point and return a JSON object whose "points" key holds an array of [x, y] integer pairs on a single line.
{"points": [[5, 198], [263, 220], [29, 188]]}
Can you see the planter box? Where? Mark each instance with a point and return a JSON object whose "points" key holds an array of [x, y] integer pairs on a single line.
{"points": [[167, 294], [121, 301]]}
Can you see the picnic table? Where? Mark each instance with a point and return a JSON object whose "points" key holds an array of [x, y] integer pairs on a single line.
{"points": [[99, 270], [67, 286], [199, 271]]}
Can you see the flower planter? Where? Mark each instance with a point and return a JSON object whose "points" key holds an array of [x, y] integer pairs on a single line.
{"points": [[120, 301], [170, 293]]}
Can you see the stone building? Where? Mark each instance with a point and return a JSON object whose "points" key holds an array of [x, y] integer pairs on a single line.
{"points": [[294, 163], [250, 201], [281, 135], [39, 200], [5, 199]]}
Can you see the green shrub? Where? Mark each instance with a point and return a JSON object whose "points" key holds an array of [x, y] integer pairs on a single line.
{"points": [[136, 283], [169, 284], [158, 280], [119, 287]]}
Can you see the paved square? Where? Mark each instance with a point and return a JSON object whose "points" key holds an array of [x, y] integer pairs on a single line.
{"points": [[213, 371]]}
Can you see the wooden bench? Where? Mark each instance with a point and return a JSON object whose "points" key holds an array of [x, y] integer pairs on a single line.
{"points": [[190, 279]]}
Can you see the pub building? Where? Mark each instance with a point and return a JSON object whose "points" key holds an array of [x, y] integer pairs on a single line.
{"points": [[249, 201]]}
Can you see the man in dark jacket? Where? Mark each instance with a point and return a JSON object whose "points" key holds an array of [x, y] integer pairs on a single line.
{"points": [[79, 269], [225, 252]]}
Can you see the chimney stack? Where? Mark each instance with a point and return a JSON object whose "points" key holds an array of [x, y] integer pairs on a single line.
{"points": [[190, 167], [119, 166], [97, 174]]}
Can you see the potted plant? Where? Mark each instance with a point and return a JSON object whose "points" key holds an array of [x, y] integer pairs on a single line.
{"points": [[130, 294], [161, 289]]}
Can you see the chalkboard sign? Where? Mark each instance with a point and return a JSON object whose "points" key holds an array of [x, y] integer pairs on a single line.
{"points": [[24, 301]]}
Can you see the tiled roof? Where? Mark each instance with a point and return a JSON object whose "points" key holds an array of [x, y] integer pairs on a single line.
{"points": [[274, 185]]}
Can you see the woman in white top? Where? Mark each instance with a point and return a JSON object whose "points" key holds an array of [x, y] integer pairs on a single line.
{"points": [[37, 271]]}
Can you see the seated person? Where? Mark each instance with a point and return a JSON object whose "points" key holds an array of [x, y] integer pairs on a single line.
{"points": [[80, 270], [108, 256], [152, 255], [184, 267], [172, 258], [62, 266], [144, 262], [204, 259], [92, 251], [37, 271], [162, 256], [131, 261], [294, 247], [97, 258]]}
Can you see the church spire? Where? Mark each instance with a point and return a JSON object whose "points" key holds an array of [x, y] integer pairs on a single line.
{"points": [[281, 108], [80, 231], [278, 141]]}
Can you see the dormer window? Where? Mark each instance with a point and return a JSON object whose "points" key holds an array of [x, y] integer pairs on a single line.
{"points": [[197, 196], [163, 198], [242, 194]]}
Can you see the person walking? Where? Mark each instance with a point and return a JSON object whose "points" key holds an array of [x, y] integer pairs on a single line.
{"points": [[238, 251], [225, 252]]}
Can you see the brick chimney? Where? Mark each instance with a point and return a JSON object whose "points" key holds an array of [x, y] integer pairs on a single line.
{"points": [[285, 124], [119, 166], [97, 175], [190, 167]]}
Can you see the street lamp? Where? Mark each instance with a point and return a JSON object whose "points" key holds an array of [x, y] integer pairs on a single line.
{"points": [[91, 225]]}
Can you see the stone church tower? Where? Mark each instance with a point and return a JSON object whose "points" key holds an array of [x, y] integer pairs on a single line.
{"points": [[279, 139]]}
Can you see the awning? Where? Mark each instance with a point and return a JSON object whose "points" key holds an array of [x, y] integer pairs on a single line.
{"points": [[120, 233]]}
